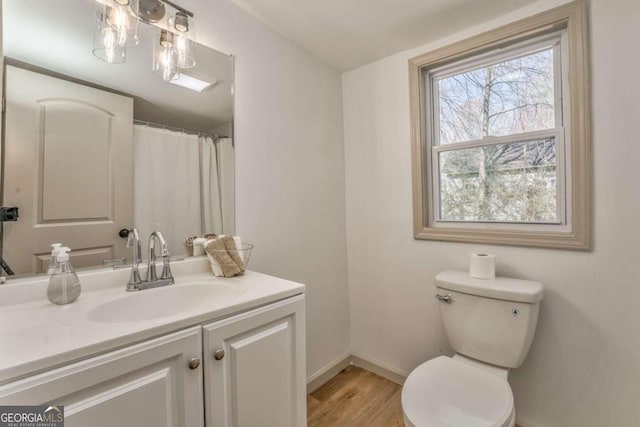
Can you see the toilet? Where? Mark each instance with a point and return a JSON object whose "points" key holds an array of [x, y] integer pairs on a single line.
{"points": [[490, 324]]}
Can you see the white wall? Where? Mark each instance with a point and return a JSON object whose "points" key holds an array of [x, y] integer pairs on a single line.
{"points": [[584, 366], [289, 167]]}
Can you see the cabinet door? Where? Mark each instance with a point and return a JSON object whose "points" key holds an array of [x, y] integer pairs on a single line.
{"points": [[145, 385], [260, 379]]}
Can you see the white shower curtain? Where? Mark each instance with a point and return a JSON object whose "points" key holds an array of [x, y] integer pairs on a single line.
{"points": [[210, 187], [182, 185], [226, 172]]}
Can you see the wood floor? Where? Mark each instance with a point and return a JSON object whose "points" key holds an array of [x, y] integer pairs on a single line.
{"points": [[355, 397]]}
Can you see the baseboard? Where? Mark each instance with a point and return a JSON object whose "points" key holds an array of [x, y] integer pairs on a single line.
{"points": [[379, 368], [318, 379]]}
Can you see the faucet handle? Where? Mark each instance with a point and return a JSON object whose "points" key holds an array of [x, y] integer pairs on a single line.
{"points": [[166, 269], [133, 240], [130, 237]]}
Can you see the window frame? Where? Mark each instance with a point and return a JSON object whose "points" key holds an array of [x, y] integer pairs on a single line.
{"points": [[565, 24]]}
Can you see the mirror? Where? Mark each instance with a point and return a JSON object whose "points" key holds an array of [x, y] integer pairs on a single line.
{"points": [[91, 148]]}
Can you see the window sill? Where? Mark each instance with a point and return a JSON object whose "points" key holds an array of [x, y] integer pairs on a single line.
{"points": [[554, 240]]}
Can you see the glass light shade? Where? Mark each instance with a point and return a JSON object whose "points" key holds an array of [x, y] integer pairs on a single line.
{"points": [[105, 39], [165, 60], [121, 15], [184, 39]]}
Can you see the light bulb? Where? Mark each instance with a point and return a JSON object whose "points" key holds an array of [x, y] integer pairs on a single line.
{"points": [[181, 49], [164, 57], [109, 37], [181, 22], [183, 39], [118, 19], [167, 64], [166, 39], [108, 40], [121, 26], [184, 51]]}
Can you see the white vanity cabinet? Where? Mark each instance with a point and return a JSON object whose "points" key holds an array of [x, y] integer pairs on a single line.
{"points": [[147, 384], [245, 370], [254, 368]]}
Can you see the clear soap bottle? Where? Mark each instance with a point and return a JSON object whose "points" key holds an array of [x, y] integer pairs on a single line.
{"points": [[64, 285]]}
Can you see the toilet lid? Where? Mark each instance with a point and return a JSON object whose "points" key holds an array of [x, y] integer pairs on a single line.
{"points": [[444, 392]]}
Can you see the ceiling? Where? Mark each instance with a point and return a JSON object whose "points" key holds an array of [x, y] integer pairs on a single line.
{"points": [[347, 34], [57, 38]]}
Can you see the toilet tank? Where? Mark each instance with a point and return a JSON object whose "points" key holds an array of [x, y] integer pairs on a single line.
{"points": [[492, 320]]}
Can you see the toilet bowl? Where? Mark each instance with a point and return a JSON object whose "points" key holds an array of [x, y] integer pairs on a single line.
{"points": [[446, 392], [490, 323]]}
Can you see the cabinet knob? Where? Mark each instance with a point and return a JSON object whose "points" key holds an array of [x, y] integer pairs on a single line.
{"points": [[194, 362], [219, 354]]}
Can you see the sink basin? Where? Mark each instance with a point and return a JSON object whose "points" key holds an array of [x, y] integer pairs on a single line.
{"points": [[162, 302]]}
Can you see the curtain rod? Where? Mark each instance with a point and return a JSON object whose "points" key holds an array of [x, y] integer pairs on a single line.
{"points": [[183, 130]]}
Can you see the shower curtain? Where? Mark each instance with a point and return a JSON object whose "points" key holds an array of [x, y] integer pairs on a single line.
{"points": [[178, 185], [211, 213], [226, 172]]}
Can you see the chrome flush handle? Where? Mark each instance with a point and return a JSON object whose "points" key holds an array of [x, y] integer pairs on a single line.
{"points": [[444, 298]]}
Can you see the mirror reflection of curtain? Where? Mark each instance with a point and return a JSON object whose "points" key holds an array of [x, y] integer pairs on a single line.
{"points": [[176, 185], [210, 187], [226, 173], [218, 192]]}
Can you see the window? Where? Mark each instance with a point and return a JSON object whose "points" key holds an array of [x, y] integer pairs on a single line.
{"points": [[497, 135], [501, 135]]}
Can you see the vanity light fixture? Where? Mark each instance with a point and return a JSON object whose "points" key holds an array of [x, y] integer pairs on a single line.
{"points": [[116, 28]]}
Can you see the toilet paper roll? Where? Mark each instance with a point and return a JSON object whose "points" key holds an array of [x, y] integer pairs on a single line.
{"points": [[482, 266]]}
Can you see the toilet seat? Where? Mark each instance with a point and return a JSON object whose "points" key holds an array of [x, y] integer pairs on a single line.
{"points": [[445, 392]]}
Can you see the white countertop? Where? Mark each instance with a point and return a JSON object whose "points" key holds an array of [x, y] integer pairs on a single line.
{"points": [[36, 335]]}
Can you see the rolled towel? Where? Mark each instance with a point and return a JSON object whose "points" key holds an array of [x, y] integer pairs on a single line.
{"points": [[217, 250], [215, 267], [234, 253], [238, 241]]}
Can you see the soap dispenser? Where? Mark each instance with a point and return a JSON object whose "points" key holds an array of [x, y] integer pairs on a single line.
{"points": [[52, 260], [64, 285]]}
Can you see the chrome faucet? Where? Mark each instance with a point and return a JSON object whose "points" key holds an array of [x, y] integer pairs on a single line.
{"points": [[133, 240], [152, 275], [151, 280]]}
